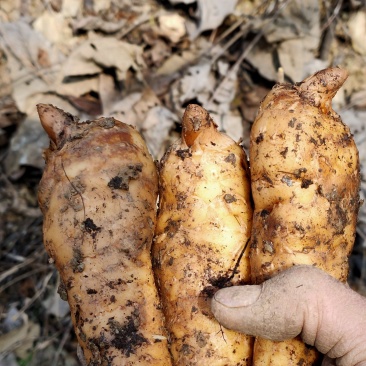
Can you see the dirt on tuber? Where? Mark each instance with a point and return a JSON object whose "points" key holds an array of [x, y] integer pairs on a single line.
{"points": [[98, 196], [202, 232], [305, 184]]}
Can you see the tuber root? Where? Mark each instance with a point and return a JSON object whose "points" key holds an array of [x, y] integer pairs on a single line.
{"points": [[202, 232], [98, 196], [305, 185]]}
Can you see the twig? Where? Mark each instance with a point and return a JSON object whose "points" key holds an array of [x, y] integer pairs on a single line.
{"points": [[62, 343], [327, 31], [229, 30], [280, 75], [248, 49], [235, 67], [333, 16], [141, 20], [237, 36], [21, 277], [35, 297], [15, 268], [239, 260], [209, 51]]}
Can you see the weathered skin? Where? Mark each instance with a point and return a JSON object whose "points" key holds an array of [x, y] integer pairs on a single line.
{"points": [[98, 195], [305, 185], [326, 312], [203, 226]]}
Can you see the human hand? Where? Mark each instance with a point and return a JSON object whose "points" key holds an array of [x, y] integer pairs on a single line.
{"points": [[301, 300]]}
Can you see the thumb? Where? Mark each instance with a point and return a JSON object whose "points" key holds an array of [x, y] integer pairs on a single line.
{"points": [[301, 300]]}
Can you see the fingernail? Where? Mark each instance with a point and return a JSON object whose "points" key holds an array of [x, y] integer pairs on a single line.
{"points": [[238, 296]]}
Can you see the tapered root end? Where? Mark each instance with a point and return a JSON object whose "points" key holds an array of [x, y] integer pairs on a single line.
{"points": [[195, 120], [55, 122], [321, 87]]}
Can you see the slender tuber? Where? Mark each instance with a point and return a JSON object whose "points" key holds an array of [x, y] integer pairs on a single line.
{"points": [[203, 226]]}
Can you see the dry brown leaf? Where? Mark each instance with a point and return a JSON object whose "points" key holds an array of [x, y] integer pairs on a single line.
{"points": [[20, 340], [213, 12], [9, 10], [108, 94], [156, 127], [172, 26], [292, 37], [29, 141], [56, 5], [77, 87], [88, 104], [123, 111], [247, 7], [227, 88], [94, 55], [147, 101], [355, 64], [176, 62], [357, 31], [96, 23], [249, 100], [8, 359], [298, 19], [13, 10], [25, 148], [197, 83], [261, 58], [294, 56], [100, 5], [159, 52], [55, 27], [358, 99], [32, 62], [72, 8], [210, 15], [134, 108], [229, 121]]}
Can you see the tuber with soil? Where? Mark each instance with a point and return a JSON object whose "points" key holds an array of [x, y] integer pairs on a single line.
{"points": [[98, 196], [202, 232], [305, 185]]}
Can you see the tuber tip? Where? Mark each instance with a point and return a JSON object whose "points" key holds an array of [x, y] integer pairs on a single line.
{"points": [[54, 121], [321, 87], [195, 120]]}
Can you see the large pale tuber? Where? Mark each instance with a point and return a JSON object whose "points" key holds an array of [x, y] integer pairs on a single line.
{"points": [[98, 195], [305, 186]]}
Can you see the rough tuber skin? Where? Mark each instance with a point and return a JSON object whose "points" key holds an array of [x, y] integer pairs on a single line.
{"points": [[98, 196], [305, 185], [202, 232]]}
